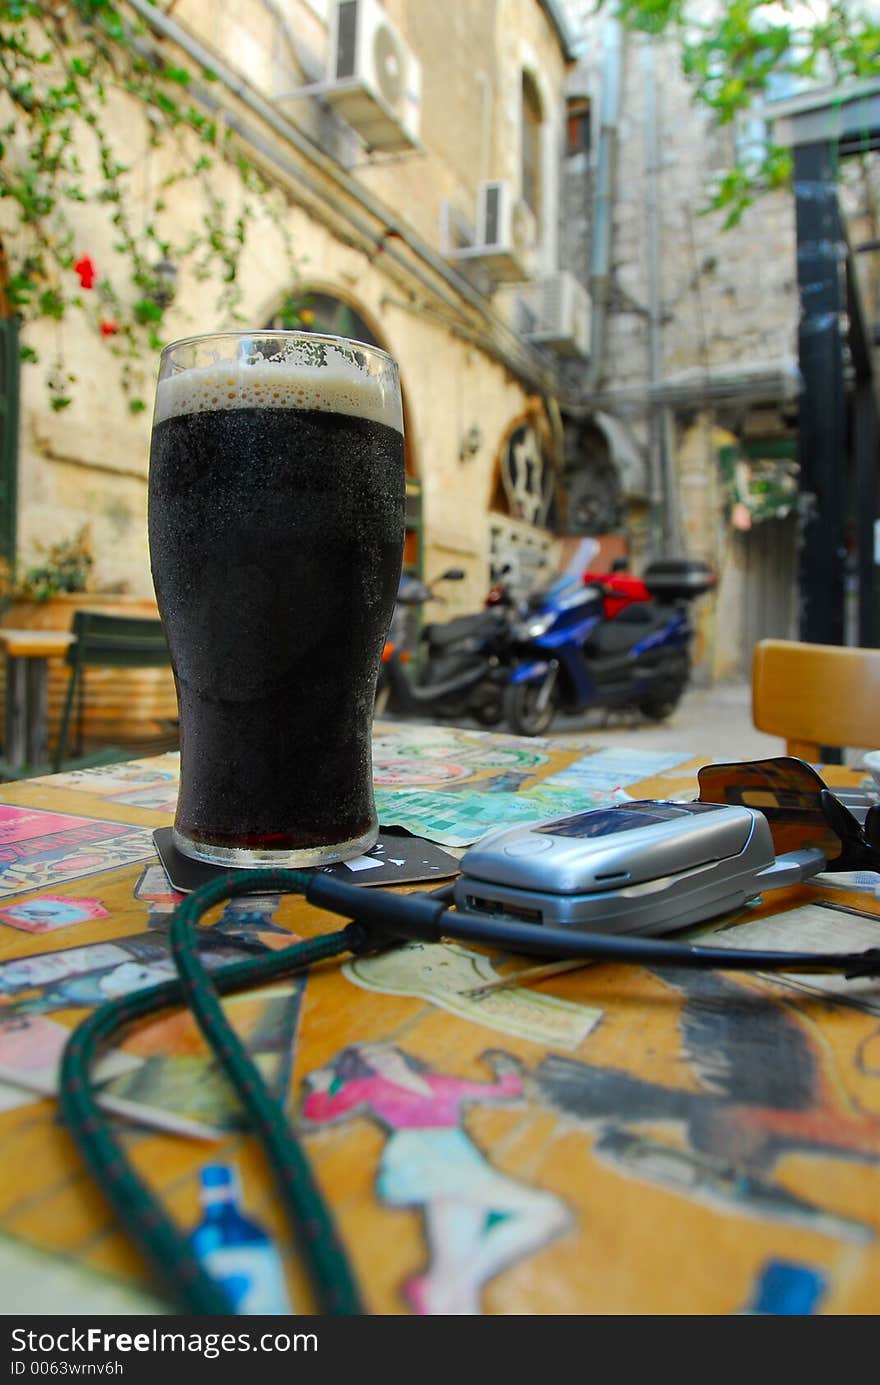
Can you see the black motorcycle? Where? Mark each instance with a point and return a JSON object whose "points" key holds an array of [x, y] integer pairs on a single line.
{"points": [[458, 668]]}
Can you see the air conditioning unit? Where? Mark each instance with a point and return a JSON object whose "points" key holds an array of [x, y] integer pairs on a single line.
{"points": [[555, 312], [506, 238], [373, 80]]}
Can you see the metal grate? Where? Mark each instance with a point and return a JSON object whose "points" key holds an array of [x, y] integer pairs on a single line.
{"points": [[346, 38]]}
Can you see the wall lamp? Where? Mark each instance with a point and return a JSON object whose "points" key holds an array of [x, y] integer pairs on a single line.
{"points": [[470, 442]]}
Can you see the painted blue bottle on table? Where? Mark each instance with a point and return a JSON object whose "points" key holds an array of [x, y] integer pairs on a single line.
{"points": [[784, 1288], [236, 1251]]}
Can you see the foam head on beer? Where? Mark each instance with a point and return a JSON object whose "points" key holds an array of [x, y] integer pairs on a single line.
{"points": [[338, 386], [276, 535]]}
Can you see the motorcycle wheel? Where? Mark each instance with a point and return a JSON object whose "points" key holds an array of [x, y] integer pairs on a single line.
{"points": [[524, 714], [664, 699]]}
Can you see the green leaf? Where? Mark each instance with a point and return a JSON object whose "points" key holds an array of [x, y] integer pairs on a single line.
{"points": [[51, 304], [147, 310], [177, 74]]}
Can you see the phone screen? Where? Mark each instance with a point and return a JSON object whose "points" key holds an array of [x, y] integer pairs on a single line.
{"points": [[608, 822]]}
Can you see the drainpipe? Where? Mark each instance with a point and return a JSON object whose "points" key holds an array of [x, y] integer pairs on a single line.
{"points": [[664, 523], [487, 105], [655, 431], [603, 199]]}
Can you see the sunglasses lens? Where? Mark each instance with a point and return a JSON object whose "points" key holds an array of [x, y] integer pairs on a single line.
{"points": [[786, 790]]}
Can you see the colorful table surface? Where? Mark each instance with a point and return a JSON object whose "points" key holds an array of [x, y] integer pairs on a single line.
{"points": [[608, 1140]]}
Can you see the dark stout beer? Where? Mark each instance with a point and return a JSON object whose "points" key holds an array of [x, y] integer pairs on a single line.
{"points": [[276, 533]]}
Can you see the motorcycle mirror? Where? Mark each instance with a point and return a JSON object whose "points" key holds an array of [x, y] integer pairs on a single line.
{"points": [[412, 592]]}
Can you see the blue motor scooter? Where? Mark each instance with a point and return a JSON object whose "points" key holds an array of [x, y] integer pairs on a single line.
{"points": [[569, 657]]}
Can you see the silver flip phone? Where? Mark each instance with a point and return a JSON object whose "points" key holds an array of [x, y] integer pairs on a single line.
{"points": [[645, 866]]}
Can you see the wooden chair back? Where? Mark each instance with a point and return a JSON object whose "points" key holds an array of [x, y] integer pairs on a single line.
{"points": [[816, 695], [106, 641]]}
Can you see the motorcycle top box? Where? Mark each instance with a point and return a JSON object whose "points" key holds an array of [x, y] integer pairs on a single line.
{"points": [[678, 579]]}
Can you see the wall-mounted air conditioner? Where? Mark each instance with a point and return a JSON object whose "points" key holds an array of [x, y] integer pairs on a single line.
{"points": [[555, 312], [373, 79], [506, 237]]}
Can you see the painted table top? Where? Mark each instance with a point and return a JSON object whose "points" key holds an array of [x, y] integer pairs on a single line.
{"points": [[606, 1140]]}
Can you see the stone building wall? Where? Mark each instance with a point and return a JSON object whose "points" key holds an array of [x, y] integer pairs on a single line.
{"points": [[89, 463]]}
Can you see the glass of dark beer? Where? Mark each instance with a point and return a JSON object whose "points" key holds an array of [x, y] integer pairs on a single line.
{"points": [[276, 513]]}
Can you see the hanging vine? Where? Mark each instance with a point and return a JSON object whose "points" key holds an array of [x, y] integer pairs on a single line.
{"points": [[73, 78]]}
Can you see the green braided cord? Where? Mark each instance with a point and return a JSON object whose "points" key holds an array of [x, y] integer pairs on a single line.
{"points": [[316, 1232], [166, 1249]]}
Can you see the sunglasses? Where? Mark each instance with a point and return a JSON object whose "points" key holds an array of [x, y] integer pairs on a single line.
{"points": [[800, 809]]}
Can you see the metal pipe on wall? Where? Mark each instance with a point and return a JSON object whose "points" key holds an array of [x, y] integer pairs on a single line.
{"points": [[652, 252], [487, 107], [604, 194], [666, 527]]}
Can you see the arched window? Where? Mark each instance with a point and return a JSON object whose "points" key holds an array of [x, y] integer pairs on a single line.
{"points": [[532, 122], [310, 311]]}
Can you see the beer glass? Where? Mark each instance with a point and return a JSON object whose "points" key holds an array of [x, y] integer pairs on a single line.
{"points": [[276, 514]]}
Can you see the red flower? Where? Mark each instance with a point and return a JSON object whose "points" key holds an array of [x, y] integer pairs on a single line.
{"points": [[85, 268], [109, 329]]}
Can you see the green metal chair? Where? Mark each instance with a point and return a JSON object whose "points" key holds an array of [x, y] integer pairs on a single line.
{"points": [[105, 641]]}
